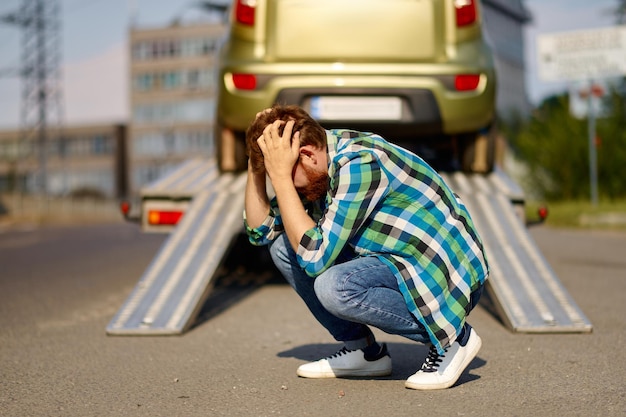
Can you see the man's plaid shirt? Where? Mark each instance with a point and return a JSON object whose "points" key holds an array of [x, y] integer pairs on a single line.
{"points": [[387, 202]]}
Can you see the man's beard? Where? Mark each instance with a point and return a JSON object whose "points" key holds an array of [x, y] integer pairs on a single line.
{"points": [[318, 184]]}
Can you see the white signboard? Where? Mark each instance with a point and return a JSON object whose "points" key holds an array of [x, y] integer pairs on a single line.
{"points": [[579, 55]]}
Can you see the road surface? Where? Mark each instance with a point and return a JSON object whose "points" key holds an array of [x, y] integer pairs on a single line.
{"points": [[60, 287]]}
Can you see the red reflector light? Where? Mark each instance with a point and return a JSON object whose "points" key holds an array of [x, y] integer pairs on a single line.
{"points": [[244, 81], [466, 82], [543, 213], [164, 218], [465, 12], [244, 12], [125, 207]]}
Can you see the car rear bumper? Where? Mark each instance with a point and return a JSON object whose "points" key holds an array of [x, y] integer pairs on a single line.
{"points": [[430, 105]]}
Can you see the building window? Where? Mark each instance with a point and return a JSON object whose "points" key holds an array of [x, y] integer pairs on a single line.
{"points": [[171, 80], [184, 111], [173, 48], [170, 142], [143, 82], [191, 79], [102, 145]]}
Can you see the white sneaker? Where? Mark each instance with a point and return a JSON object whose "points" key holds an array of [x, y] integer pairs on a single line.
{"points": [[346, 363], [442, 371]]}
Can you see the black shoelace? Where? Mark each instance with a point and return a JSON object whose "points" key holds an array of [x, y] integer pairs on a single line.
{"points": [[432, 360], [339, 353]]}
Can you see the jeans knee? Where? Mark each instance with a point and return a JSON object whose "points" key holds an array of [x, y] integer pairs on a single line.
{"points": [[331, 294]]}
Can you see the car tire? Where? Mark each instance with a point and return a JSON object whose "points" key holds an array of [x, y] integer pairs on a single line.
{"points": [[478, 151], [231, 149]]}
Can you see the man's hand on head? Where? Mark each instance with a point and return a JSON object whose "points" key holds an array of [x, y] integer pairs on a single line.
{"points": [[280, 152]]}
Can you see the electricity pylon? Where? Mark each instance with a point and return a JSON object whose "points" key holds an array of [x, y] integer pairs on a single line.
{"points": [[41, 109]]}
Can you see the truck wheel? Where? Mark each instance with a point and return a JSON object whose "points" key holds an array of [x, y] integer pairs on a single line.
{"points": [[478, 151], [231, 149]]}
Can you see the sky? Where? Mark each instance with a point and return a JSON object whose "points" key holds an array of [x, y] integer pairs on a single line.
{"points": [[95, 51]]}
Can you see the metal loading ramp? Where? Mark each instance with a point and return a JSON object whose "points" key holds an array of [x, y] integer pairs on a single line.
{"points": [[526, 292], [173, 288]]}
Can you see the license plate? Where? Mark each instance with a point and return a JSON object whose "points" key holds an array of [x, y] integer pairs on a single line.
{"points": [[356, 108]]}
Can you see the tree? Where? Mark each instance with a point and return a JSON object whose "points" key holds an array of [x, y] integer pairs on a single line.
{"points": [[554, 146], [612, 149]]}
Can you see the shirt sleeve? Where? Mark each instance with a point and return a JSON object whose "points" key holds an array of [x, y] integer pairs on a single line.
{"points": [[356, 187], [269, 230]]}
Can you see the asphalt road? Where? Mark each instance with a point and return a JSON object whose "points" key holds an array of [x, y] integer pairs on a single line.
{"points": [[60, 287]]}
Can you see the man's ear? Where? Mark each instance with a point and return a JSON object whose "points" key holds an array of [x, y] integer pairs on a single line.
{"points": [[308, 151]]}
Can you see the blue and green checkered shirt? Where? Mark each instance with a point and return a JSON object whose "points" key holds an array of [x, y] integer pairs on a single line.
{"points": [[387, 202]]}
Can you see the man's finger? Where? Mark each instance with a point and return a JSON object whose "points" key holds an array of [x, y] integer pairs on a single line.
{"points": [[261, 142], [295, 141], [288, 129], [266, 137], [273, 133]]}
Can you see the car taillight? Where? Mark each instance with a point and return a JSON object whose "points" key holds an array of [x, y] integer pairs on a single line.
{"points": [[244, 81], [244, 12], [465, 12], [466, 82], [164, 218]]}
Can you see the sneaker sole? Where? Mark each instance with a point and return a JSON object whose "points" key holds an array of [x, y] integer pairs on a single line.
{"points": [[339, 373], [447, 384]]}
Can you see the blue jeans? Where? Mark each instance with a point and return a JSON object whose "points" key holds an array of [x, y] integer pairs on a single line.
{"points": [[350, 296]]}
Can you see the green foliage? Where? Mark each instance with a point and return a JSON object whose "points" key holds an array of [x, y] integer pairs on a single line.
{"points": [[555, 147], [612, 150]]}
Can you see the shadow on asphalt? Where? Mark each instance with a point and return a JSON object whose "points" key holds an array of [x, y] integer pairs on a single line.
{"points": [[245, 269]]}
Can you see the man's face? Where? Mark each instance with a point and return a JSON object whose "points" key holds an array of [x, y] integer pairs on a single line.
{"points": [[311, 181]]}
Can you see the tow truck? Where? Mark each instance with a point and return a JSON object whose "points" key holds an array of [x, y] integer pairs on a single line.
{"points": [[281, 51]]}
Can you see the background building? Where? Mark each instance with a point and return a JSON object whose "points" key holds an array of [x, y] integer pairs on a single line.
{"points": [[504, 25], [80, 160], [172, 97]]}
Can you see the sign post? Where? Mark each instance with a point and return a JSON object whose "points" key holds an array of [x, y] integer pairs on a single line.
{"points": [[593, 154], [584, 55]]}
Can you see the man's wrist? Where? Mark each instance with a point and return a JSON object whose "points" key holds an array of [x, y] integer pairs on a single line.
{"points": [[281, 182]]}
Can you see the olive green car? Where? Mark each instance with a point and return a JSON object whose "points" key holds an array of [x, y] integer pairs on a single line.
{"points": [[406, 69]]}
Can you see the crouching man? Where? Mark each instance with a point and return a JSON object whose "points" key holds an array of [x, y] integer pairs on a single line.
{"points": [[368, 235]]}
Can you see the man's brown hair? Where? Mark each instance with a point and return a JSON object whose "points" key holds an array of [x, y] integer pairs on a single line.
{"points": [[311, 132]]}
